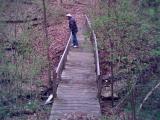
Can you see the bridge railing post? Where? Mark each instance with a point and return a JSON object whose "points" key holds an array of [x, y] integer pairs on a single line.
{"points": [[99, 84], [54, 84]]}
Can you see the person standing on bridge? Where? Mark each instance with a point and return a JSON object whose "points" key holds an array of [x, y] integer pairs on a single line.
{"points": [[74, 29]]}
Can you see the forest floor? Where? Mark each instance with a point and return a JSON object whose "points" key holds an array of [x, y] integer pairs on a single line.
{"points": [[58, 35]]}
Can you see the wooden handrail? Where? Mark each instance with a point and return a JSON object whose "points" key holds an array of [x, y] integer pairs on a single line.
{"points": [[63, 58], [60, 67], [95, 46], [96, 55]]}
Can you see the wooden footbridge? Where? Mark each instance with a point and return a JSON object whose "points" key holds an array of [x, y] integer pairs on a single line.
{"points": [[78, 83]]}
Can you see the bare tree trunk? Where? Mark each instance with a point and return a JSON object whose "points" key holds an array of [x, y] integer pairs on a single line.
{"points": [[112, 73], [47, 43], [133, 105], [97, 6]]}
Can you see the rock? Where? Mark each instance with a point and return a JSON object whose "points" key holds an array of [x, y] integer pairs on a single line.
{"points": [[48, 101], [104, 77], [107, 94]]}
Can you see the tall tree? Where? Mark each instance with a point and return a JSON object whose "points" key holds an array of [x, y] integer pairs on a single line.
{"points": [[47, 43]]}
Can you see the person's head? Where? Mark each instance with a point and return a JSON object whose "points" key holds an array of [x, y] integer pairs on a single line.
{"points": [[69, 16]]}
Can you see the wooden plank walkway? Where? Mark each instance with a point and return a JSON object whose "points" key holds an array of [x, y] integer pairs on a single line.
{"points": [[77, 92]]}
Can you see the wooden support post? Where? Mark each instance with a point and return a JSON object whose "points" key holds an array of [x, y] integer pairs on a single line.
{"points": [[133, 104], [47, 43], [99, 80], [54, 85], [112, 72]]}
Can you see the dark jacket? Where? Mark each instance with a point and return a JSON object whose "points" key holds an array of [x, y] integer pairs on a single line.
{"points": [[73, 25]]}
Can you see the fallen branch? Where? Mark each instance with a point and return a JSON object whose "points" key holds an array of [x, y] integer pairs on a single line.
{"points": [[18, 113], [20, 21], [77, 2], [147, 96], [23, 2]]}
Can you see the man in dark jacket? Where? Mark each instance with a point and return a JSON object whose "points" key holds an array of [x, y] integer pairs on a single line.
{"points": [[74, 29]]}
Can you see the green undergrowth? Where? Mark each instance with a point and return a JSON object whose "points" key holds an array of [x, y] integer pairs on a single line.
{"points": [[23, 58], [128, 36]]}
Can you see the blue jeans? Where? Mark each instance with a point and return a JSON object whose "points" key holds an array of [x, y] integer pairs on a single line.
{"points": [[74, 39]]}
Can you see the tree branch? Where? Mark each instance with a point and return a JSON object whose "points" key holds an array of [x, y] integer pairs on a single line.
{"points": [[147, 96]]}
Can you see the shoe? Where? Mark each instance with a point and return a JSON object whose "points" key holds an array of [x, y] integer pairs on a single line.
{"points": [[75, 46]]}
